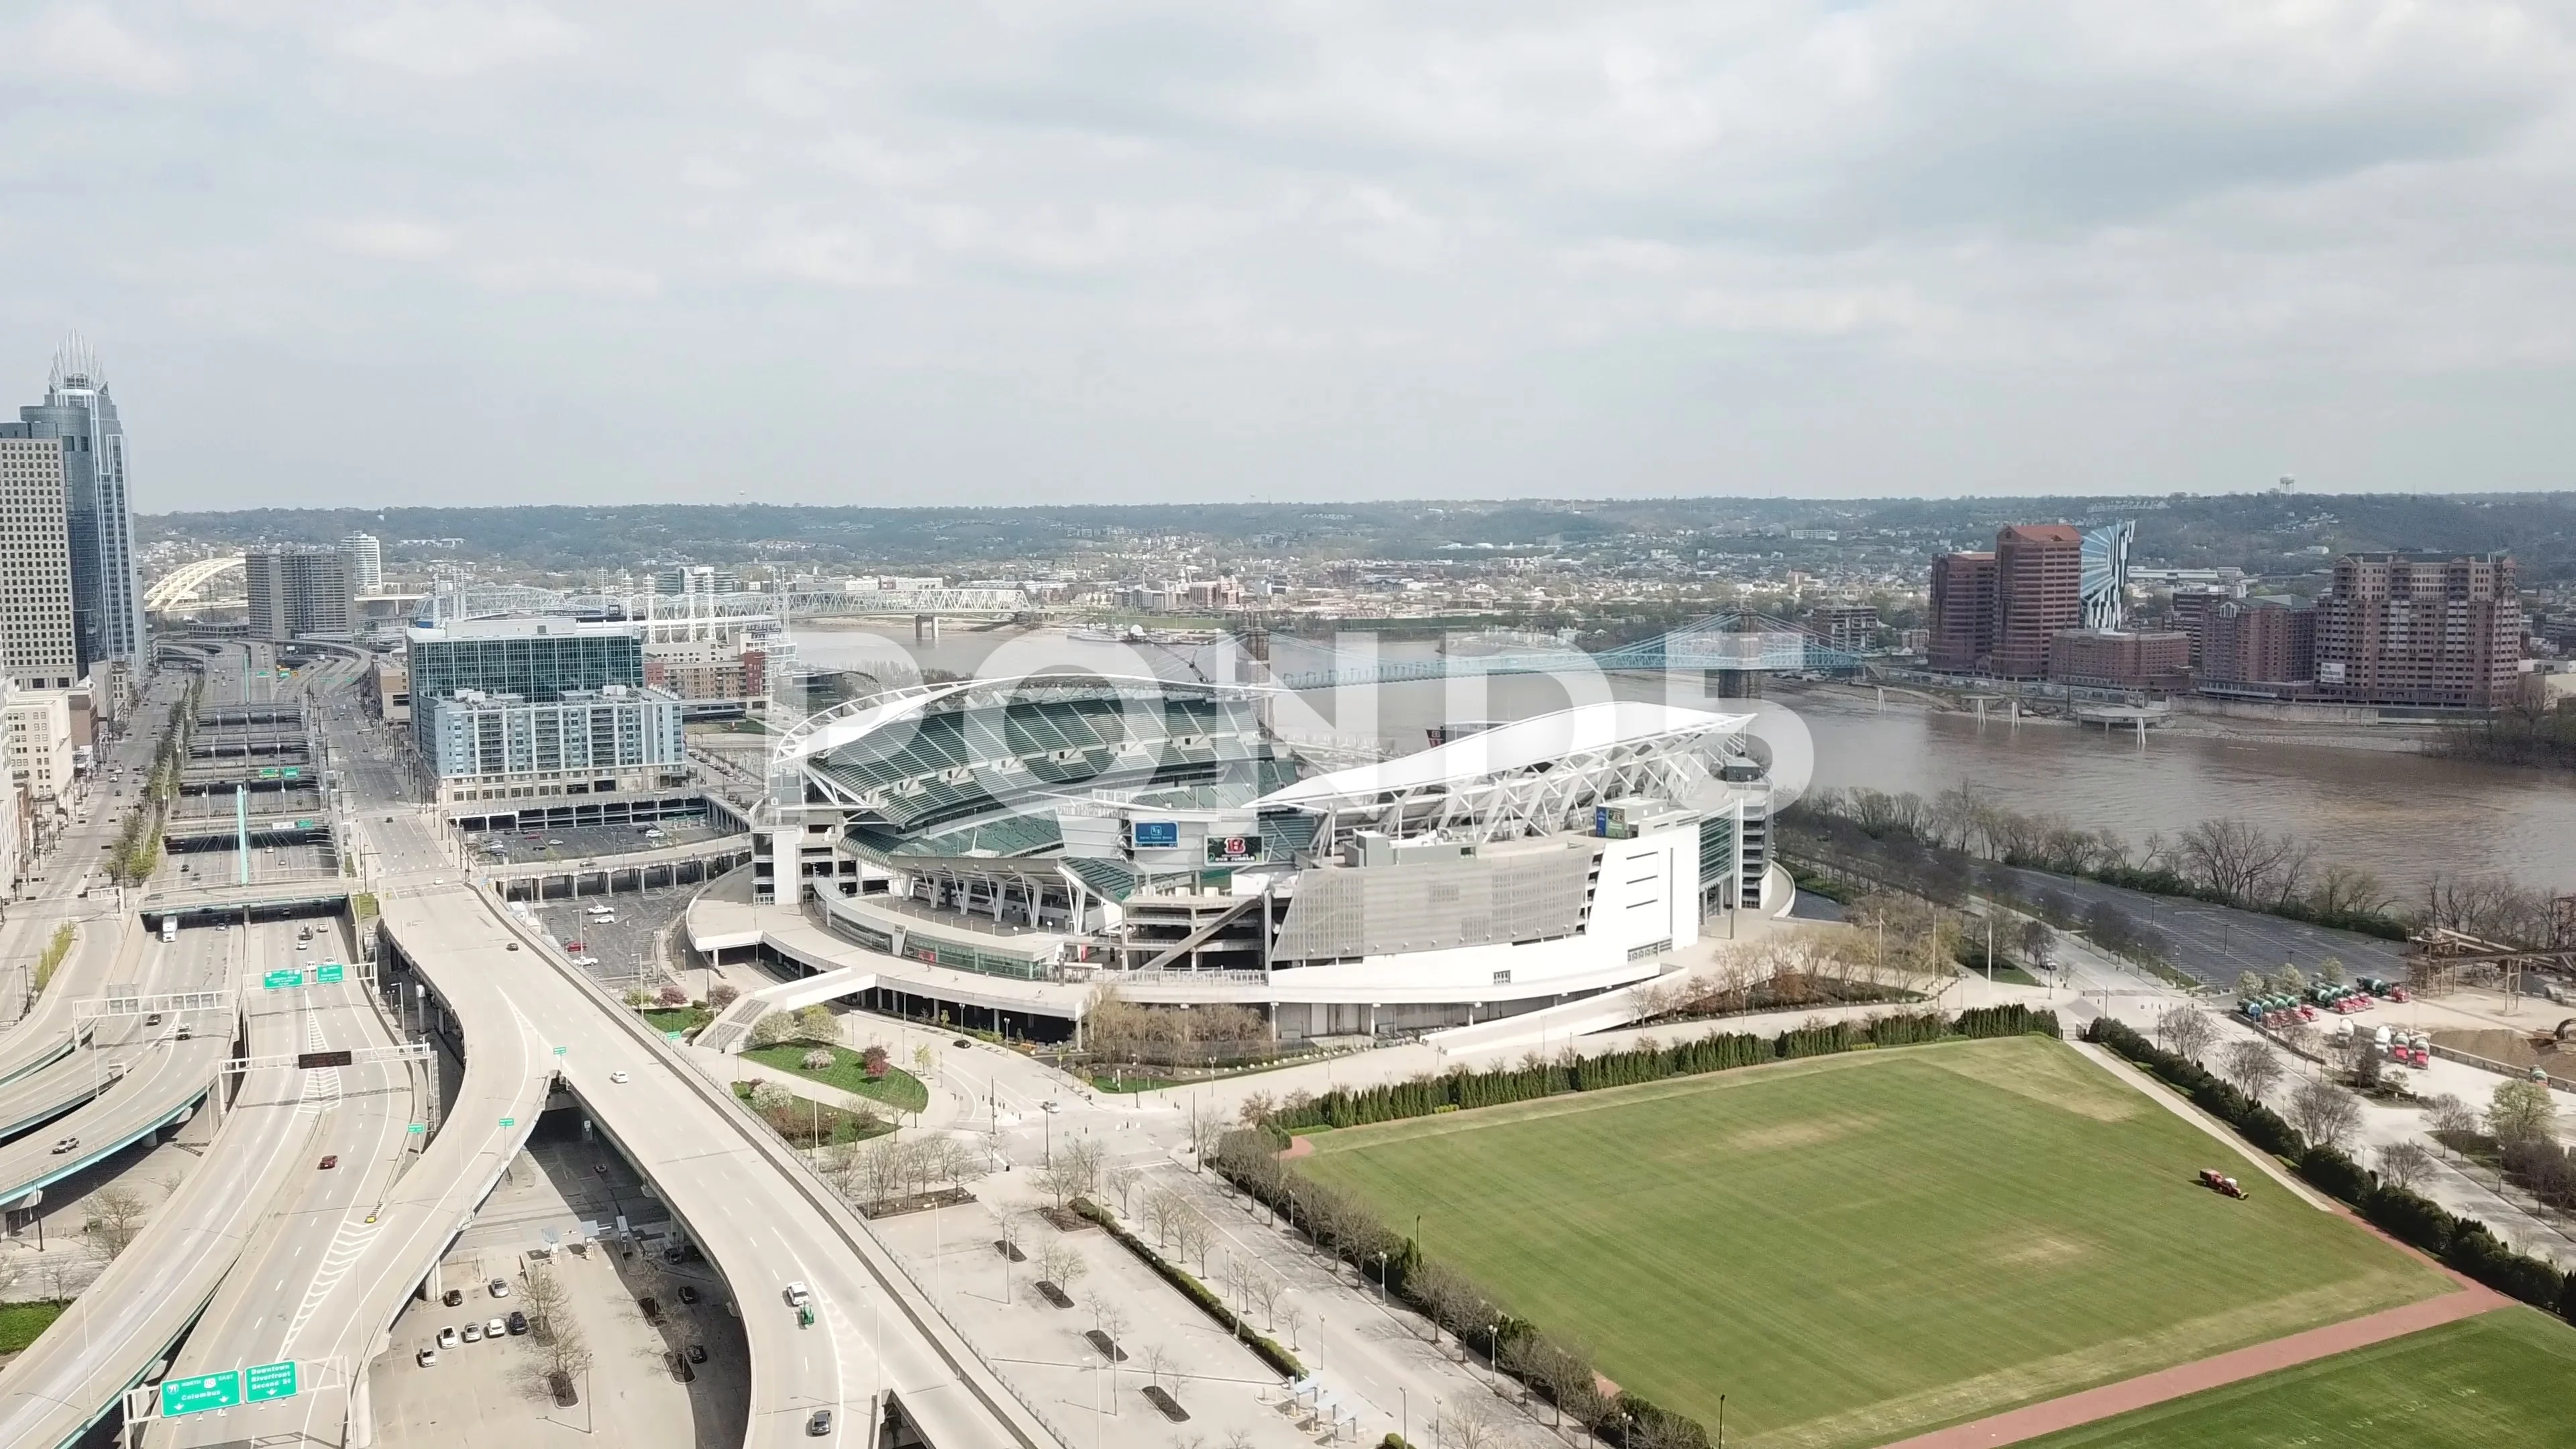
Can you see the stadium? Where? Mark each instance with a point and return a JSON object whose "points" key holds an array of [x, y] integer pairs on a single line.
{"points": [[993, 852]]}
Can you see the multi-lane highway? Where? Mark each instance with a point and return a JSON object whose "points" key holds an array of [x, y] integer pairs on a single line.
{"points": [[127, 1320], [317, 1229]]}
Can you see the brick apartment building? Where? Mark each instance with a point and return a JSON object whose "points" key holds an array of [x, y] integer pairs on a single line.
{"points": [[2432, 629], [2269, 647]]}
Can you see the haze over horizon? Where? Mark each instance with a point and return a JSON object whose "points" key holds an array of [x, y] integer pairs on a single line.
{"points": [[480, 254]]}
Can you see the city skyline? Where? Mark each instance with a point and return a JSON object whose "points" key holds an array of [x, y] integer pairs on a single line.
{"points": [[1150, 255]]}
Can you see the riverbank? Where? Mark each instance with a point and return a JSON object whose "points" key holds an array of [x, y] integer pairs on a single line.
{"points": [[2237, 721]]}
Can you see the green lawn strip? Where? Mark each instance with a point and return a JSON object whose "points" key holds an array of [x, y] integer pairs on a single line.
{"points": [[1857, 1248], [2497, 1379], [685, 1018], [1131, 1082], [21, 1322], [898, 1088], [803, 1119]]}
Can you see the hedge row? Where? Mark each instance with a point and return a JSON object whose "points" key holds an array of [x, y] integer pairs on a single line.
{"points": [[2466, 1245], [1280, 1360], [1461, 1089]]}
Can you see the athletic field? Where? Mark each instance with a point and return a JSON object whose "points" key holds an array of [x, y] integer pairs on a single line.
{"points": [[1860, 1247], [2498, 1379]]}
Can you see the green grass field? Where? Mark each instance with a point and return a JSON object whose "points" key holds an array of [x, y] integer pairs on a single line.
{"points": [[898, 1089], [2499, 1378], [1861, 1247]]}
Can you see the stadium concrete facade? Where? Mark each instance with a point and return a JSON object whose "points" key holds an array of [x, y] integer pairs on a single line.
{"points": [[995, 852]]}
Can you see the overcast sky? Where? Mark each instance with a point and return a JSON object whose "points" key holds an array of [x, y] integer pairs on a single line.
{"points": [[894, 253]]}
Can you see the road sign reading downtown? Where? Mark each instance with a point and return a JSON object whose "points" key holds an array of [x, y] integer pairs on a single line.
{"points": [[282, 980], [269, 1381], [198, 1394], [330, 973]]}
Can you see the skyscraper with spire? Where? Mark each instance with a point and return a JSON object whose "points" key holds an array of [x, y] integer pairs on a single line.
{"points": [[107, 601]]}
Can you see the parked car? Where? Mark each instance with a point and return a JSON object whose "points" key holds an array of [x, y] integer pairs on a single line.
{"points": [[452, 1297], [820, 1425], [518, 1323], [474, 1333], [500, 1287], [495, 1328], [426, 1358], [447, 1337]]}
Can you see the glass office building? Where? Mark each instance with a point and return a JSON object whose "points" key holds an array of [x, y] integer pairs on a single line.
{"points": [[534, 660]]}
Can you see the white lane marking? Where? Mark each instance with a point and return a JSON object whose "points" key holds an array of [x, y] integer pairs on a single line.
{"points": [[347, 1246]]}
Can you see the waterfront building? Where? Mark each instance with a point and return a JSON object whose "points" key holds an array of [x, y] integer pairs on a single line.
{"points": [[2120, 659], [39, 647], [1995, 613], [2420, 628], [1852, 627], [107, 599], [2038, 594], [1962, 612], [299, 593], [2261, 646], [2105, 582]]}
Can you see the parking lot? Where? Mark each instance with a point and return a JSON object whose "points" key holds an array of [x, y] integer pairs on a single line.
{"points": [[495, 1394], [587, 842], [632, 949]]}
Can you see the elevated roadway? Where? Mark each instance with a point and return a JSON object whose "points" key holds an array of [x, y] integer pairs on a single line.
{"points": [[158, 1077], [760, 1214], [128, 1319]]}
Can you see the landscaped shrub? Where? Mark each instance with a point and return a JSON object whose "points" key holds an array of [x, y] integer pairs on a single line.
{"points": [[1649, 1061], [2480, 1254], [1270, 1352], [2339, 1175], [2409, 1218]]}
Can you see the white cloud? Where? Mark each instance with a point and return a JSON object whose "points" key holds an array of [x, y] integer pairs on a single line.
{"points": [[84, 45], [388, 239], [984, 238]]}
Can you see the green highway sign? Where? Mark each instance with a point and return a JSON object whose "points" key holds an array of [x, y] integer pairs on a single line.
{"points": [[282, 980], [559, 1051], [197, 1395], [673, 1035], [293, 772], [269, 1381], [268, 772], [509, 1121], [303, 824], [418, 1128], [330, 973]]}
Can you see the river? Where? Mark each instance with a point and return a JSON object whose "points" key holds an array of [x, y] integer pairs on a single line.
{"points": [[2403, 815]]}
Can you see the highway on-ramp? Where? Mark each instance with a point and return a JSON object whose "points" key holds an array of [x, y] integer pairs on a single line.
{"points": [[763, 1219]]}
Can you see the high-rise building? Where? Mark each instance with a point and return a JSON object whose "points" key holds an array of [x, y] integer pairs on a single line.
{"points": [[299, 593], [40, 741], [366, 561], [535, 660], [1963, 612], [1994, 613], [2420, 629], [107, 599], [2105, 585], [38, 646]]}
